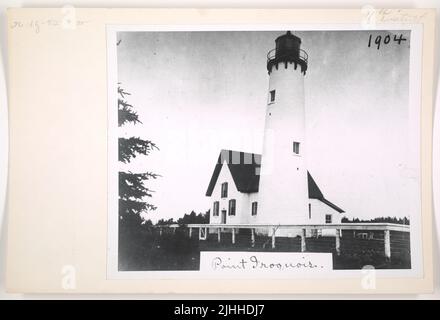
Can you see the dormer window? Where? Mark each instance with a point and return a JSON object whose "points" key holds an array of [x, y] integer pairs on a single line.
{"points": [[272, 96], [224, 191], [296, 147]]}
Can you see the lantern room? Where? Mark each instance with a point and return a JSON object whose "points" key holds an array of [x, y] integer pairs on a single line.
{"points": [[287, 51]]}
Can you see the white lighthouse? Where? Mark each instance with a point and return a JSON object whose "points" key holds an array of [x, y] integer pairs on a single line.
{"points": [[283, 192], [274, 188]]}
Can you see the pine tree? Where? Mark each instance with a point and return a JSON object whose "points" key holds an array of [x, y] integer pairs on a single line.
{"points": [[132, 189], [134, 232]]}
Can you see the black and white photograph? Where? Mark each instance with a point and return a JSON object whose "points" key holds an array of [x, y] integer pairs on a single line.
{"points": [[207, 153], [287, 151]]}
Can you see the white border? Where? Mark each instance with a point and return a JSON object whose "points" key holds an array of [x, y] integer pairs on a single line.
{"points": [[415, 84]]}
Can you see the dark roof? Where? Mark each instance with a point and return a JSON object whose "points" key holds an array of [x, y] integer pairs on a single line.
{"points": [[244, 168], [315, 193], [245, 171]]}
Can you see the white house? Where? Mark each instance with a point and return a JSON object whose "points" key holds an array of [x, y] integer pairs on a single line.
{"points": [[234, 190], [275, 187]]}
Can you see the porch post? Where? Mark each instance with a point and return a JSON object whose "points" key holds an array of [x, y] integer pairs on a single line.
{"points": [[219, 231], [233, 235], [160, 231], [273, 237], [190, 231], [253, 237], [338, 242], [387, 243], [303, 240]]}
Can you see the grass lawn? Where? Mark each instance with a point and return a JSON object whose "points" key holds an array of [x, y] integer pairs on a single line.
{"points": [[151, 251], [148, 250]]}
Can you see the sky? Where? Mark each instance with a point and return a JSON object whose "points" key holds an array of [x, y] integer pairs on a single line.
{"points": [[199, 92]]}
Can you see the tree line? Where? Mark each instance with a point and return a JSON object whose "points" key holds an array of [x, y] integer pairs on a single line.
{"points": [[388, 219], [187, 218]]}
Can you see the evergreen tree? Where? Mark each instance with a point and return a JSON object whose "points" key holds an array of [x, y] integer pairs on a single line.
{"points": [[132, 189], [133, 193]]}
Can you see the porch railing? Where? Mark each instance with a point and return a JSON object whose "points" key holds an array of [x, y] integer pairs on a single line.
{"points": [[272, 230]]}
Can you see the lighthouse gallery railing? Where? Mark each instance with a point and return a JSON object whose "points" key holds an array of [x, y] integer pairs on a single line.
{"points": [[272, 55]]}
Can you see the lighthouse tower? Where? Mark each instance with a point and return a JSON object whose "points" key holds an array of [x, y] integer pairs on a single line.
{"points": [[283, 191]]}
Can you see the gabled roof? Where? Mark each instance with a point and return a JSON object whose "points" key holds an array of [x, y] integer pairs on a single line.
{"points": [[315, 193], [245, 170]]}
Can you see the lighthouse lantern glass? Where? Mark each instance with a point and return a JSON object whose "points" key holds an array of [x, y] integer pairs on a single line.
{"points": [[287, 45]]}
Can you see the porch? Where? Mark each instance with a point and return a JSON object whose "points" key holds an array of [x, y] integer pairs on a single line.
{"points": [[386, 238]]}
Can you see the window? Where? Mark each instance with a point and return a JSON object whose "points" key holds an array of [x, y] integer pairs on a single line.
{"points": [[232, 207], [310, 211], [254, 208], [215, 209], [272, 96], [224, 190], [328, 218], [296, 147]]}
